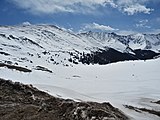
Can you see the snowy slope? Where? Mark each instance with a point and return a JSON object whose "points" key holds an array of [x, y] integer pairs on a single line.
{"points": [[132, 83], [45, 50], [39, 43]]}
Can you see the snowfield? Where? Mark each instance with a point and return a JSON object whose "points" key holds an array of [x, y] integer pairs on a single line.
{"points": [[45, 51], [124, 83]]}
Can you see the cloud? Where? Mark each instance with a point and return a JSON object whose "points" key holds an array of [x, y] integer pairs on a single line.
{"points": [[55, 6], [95, 26], [130, 7], [126, 32], [142, 24], [137, 8], [111, 3]]}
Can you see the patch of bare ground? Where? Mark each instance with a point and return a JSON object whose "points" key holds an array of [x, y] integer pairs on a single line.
{"points": [[21, 69], [25, 102], [137, 109], [158, 102]]}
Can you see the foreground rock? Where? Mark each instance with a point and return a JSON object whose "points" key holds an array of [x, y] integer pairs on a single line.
{"points": [[24, 102]]}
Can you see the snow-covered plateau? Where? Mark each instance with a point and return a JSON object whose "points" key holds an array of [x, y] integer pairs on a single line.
{"points": [[49, 58]]}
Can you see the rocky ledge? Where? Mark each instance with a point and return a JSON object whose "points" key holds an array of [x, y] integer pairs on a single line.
{"points": [[25, 102]]}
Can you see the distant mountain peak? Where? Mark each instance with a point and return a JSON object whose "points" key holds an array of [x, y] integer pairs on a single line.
{"points": [[49, 44]]}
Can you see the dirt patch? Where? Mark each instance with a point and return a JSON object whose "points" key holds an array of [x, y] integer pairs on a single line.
{"points": [[157, 113], [4, 53], [158, 102], [25, 102], [43, 69], [22, 69]]}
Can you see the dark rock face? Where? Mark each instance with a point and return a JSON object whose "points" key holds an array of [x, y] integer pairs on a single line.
{"points": [[18, 68], [24, 102], [158, 102], [4, 53]]}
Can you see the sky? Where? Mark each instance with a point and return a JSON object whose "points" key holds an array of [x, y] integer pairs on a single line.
{"points": [[120, 16]]}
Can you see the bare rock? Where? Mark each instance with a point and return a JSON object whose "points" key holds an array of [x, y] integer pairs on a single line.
{"points": [[25, 102]]}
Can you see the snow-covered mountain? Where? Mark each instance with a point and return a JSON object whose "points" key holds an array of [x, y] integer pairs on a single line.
{"points": [[39, 43], [31, 45], [40, 54], [121, 42]]}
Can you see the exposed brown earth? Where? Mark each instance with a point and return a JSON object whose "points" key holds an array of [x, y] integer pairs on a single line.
{"points": [[22, 69], [25, 102]]}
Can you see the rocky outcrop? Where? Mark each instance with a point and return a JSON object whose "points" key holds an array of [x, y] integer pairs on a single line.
{"points": [[140, 110], [15, 67], [25, 102]]}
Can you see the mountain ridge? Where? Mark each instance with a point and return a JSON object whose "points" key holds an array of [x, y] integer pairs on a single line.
{"points": [[47, 57], [49, 44]]}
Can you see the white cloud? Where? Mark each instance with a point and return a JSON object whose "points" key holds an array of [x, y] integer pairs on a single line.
{"points": [[82, 6], [95, 26], [143, 24], [132, 7], [111, 3], [137, 8], [54, 6]]}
